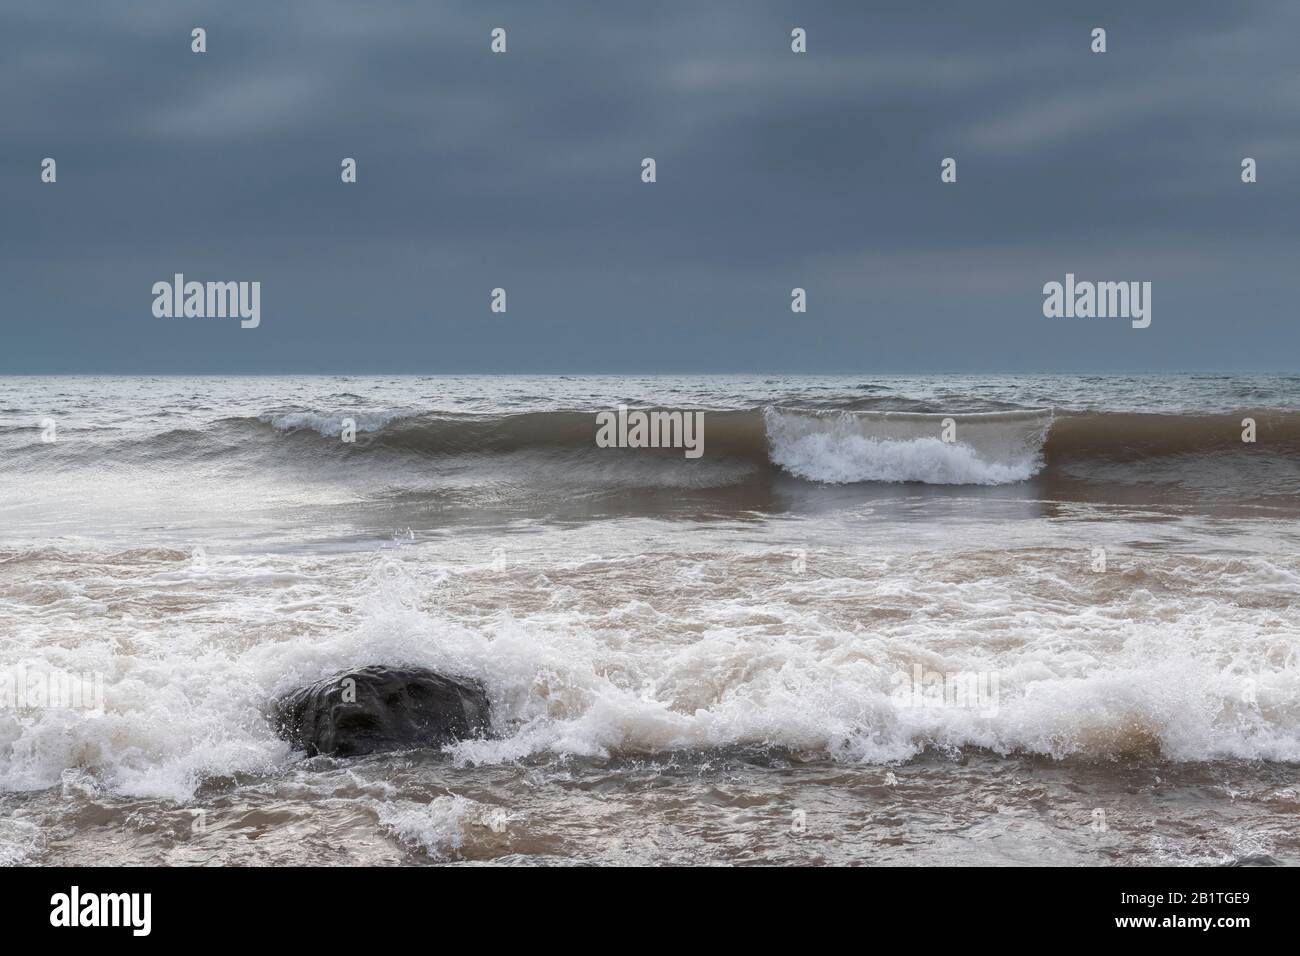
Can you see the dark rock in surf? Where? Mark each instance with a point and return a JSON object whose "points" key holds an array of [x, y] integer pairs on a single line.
{"points": [[375, 709]]}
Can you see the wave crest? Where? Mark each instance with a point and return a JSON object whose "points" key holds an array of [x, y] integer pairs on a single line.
{"points": [[991, 449], [831, 446]]}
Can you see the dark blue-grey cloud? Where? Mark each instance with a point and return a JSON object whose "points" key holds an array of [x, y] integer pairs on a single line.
{"points": [[775, 170]]}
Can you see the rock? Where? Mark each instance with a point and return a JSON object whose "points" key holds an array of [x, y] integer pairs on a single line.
{"points": [[381, 708]]}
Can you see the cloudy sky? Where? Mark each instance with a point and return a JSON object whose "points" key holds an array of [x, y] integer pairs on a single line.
{"points": [[775, 170]]}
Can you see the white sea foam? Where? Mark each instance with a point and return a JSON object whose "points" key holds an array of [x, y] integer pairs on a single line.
{"points": [[19, 841], [851, 447], [437, 828], [674, 646], [330, 424], [597, 633]]}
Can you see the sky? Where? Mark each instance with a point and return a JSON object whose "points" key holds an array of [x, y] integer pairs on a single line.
{"points": [[775, 170]]}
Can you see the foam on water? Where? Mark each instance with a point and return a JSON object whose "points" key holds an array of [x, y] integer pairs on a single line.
{"points": [[847, 447], [437, 828], [330, 424], [19, 841], [205, 545], [676, 647]]}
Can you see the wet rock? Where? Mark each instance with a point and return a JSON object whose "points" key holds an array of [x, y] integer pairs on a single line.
{"points": [[381, 708]]}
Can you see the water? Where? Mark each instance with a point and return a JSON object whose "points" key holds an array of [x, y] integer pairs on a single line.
{"points": [[689, 660]]}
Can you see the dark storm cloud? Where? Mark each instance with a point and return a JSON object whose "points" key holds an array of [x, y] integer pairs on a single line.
{"points": [[775, 170]]}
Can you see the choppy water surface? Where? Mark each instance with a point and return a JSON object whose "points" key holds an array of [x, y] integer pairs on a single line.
{"points": [[689, 660]]}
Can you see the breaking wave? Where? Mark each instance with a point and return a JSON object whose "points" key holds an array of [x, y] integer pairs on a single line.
{"points": [[832, 446], [841, 447], [1121, 664]]}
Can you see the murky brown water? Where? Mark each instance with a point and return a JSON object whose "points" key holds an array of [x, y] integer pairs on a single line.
{"points": [[716, 665]]}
